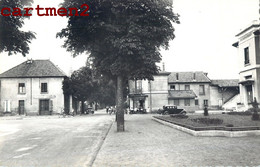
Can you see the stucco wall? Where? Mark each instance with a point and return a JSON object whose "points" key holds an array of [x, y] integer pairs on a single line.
{"points": [[195, 88], [32, 96]]}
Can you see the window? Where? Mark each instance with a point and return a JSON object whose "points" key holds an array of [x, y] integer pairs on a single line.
{"points": [[187, 87], [246, 54], [248, 77], [205, 102], [202, 90], [176, 102], [21, 88], [44, 88], [172, 87], [196, 102], [187, 102]]}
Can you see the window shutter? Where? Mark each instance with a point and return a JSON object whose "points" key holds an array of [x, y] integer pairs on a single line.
{"points": [[51, 105], [9, 106]]}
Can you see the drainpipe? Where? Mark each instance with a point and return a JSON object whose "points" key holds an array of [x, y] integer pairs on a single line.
{"points": [[150, 87]]}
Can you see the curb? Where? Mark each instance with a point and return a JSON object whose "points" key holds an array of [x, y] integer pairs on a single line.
{"points": [[211, 133], [99, 145]]}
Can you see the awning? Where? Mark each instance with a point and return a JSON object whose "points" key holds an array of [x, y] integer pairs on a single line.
{"points": [[247, 82], [138, 96]]}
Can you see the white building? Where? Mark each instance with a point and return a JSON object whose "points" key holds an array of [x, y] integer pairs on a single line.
{"points": [[249, 62], [32, 88]]}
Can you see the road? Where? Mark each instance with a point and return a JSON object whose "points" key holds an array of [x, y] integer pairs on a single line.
{"points": [[52, 141]]}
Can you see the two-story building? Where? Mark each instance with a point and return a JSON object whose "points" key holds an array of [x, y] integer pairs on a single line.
{"points": [[32, 88], [249, 62], [188, 90]]}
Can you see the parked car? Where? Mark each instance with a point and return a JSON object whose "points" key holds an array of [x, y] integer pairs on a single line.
{"points": [[137, 111], [171, 109]]}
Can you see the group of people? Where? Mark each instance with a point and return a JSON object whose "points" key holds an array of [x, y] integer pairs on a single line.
{"points": [[110, 109]]}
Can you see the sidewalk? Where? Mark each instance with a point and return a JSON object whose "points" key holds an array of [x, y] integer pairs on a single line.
{"points": [[148, 143]]}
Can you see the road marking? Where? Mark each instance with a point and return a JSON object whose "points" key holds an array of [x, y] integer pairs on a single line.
{"points": [[20, 156], [26, 148]]}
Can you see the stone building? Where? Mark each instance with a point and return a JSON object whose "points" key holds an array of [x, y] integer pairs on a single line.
{"points": [[32, 88], [249, 63], [188, 90]]}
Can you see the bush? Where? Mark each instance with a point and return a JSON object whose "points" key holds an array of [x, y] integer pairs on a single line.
{"points": [[179, 116], [208, 121], [229, 125], [246, 113], [255, 117]]}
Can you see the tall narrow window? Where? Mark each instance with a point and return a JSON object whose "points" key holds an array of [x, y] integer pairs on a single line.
{"points": [[176, 102], [206, 103], [196, 102], [202, 90], [44, 87], [187, 87], [246, 54], [187, 102], [21, 88]]}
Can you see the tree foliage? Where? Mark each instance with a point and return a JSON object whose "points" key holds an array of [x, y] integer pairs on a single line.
{"points": [[86, 85], [123, 37], [12, 39]]}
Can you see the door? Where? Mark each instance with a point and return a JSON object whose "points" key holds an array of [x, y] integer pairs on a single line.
{"points": [[44, 107], [249, 92], [21, 107]]}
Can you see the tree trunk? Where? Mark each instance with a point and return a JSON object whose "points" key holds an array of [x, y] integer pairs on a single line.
{"points": [[82, 107], [120, 111]]}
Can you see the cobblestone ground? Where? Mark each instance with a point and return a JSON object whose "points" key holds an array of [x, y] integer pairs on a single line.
{"points": [[148, 143]]}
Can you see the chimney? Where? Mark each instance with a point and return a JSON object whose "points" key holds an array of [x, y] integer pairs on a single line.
{"points": [[194, 76], [177, 76], [163, 66]]}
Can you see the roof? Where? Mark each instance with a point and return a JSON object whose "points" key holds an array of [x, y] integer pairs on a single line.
{"points": [[225, 82], [181, 94], [189, 77], [32, 69]]}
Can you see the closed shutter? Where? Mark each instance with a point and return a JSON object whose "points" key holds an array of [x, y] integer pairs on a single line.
{"points": [[7, 105], [51, 105]]}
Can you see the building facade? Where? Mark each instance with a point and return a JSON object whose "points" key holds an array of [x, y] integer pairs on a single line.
{"points": [[249, 63], [188, 90], [32, 88]]}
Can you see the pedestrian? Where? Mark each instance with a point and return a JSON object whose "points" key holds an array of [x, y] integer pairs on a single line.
{"points": [[107, 109]]}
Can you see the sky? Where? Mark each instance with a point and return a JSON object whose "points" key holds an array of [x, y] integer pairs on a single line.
{"points": [[203, 40]]}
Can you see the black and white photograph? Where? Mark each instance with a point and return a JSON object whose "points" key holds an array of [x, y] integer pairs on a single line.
{"points": [[129, 83]]}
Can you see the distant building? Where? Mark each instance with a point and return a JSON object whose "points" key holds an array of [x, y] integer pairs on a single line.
{"points": [[249, 62], [189, 90], [32, 88]]}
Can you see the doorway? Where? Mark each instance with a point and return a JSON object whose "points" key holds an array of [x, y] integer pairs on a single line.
{"points": [[21, 107]]}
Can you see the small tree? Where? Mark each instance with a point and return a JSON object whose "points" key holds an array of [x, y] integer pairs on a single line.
{"points": [[255, 115]]}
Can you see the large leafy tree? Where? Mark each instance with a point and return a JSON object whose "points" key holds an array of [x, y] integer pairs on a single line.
{"points": [[123, 38], [12, 39], [82, 85]]}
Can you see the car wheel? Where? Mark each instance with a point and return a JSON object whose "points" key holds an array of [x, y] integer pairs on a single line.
{"points": [[166, 113]]}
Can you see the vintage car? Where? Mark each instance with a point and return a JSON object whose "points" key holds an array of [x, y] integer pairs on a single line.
{"points": [[171, 109]]}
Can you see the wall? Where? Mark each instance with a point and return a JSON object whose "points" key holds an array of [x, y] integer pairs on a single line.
{"points": [[195, 88], [9, 91], [192, 106], [216, 97]]}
